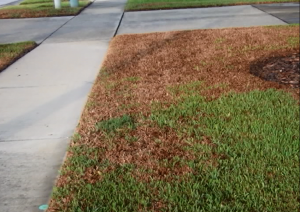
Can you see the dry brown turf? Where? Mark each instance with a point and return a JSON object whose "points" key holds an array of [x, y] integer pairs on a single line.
{"points": [[162, 60], [138, 71]]}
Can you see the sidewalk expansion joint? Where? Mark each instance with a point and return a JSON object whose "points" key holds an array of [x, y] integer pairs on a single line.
{"points": [[57, 30], [119, 24], [65, 23]]}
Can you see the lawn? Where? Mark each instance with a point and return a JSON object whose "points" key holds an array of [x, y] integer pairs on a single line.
{"points": [[11, 52], [176, 122], [25, 2], [170, 4], [41, 8]]}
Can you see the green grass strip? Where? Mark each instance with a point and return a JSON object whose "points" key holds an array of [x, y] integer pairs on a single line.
{"points": [[256, 140], [10, 52], [38, 1], [45, 5], [164, 4]]}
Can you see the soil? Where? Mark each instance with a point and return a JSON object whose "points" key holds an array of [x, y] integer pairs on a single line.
{"points": [[284, 70]]}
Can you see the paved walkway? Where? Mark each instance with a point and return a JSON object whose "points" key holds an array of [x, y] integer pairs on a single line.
{"points": [[199, 18], [43, 93], [287, 12], [30, 29], [41, 96], [8, 2]]}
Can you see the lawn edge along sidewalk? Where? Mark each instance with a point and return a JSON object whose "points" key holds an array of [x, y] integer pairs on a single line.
{"points": [[15, 54], [130, 9], [42, 96], [16, 13]]}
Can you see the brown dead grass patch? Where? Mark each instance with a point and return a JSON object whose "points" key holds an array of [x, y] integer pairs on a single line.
{"points": [[139, 69], [162, 60]]}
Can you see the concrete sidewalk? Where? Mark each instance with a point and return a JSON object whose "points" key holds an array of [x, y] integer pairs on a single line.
{"points": [[199, 18], [42, 96], [8, 2], [4, 2], [30, 29]]}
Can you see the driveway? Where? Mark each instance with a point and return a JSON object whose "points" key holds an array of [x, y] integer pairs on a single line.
{"points": [[287, 12]]}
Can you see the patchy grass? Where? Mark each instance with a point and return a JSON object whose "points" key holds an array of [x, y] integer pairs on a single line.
{"points": [[40, 8], [11, 52], [172, 4], [38, 1], [201, 133], [114, 124]]}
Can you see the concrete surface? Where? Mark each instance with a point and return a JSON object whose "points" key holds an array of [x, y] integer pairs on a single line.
{"points": [[200, 18], [42, 96], [50, 88], [97, 22], [8, 2], [41, 102], [25, 182], [29, 29], [287, 12]]}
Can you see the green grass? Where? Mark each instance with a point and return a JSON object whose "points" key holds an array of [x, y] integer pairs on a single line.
{"points": [[40, 8], [46, 5], [10, 52], [38, 1], [253, 164], [114, 124], [167, 4]]}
